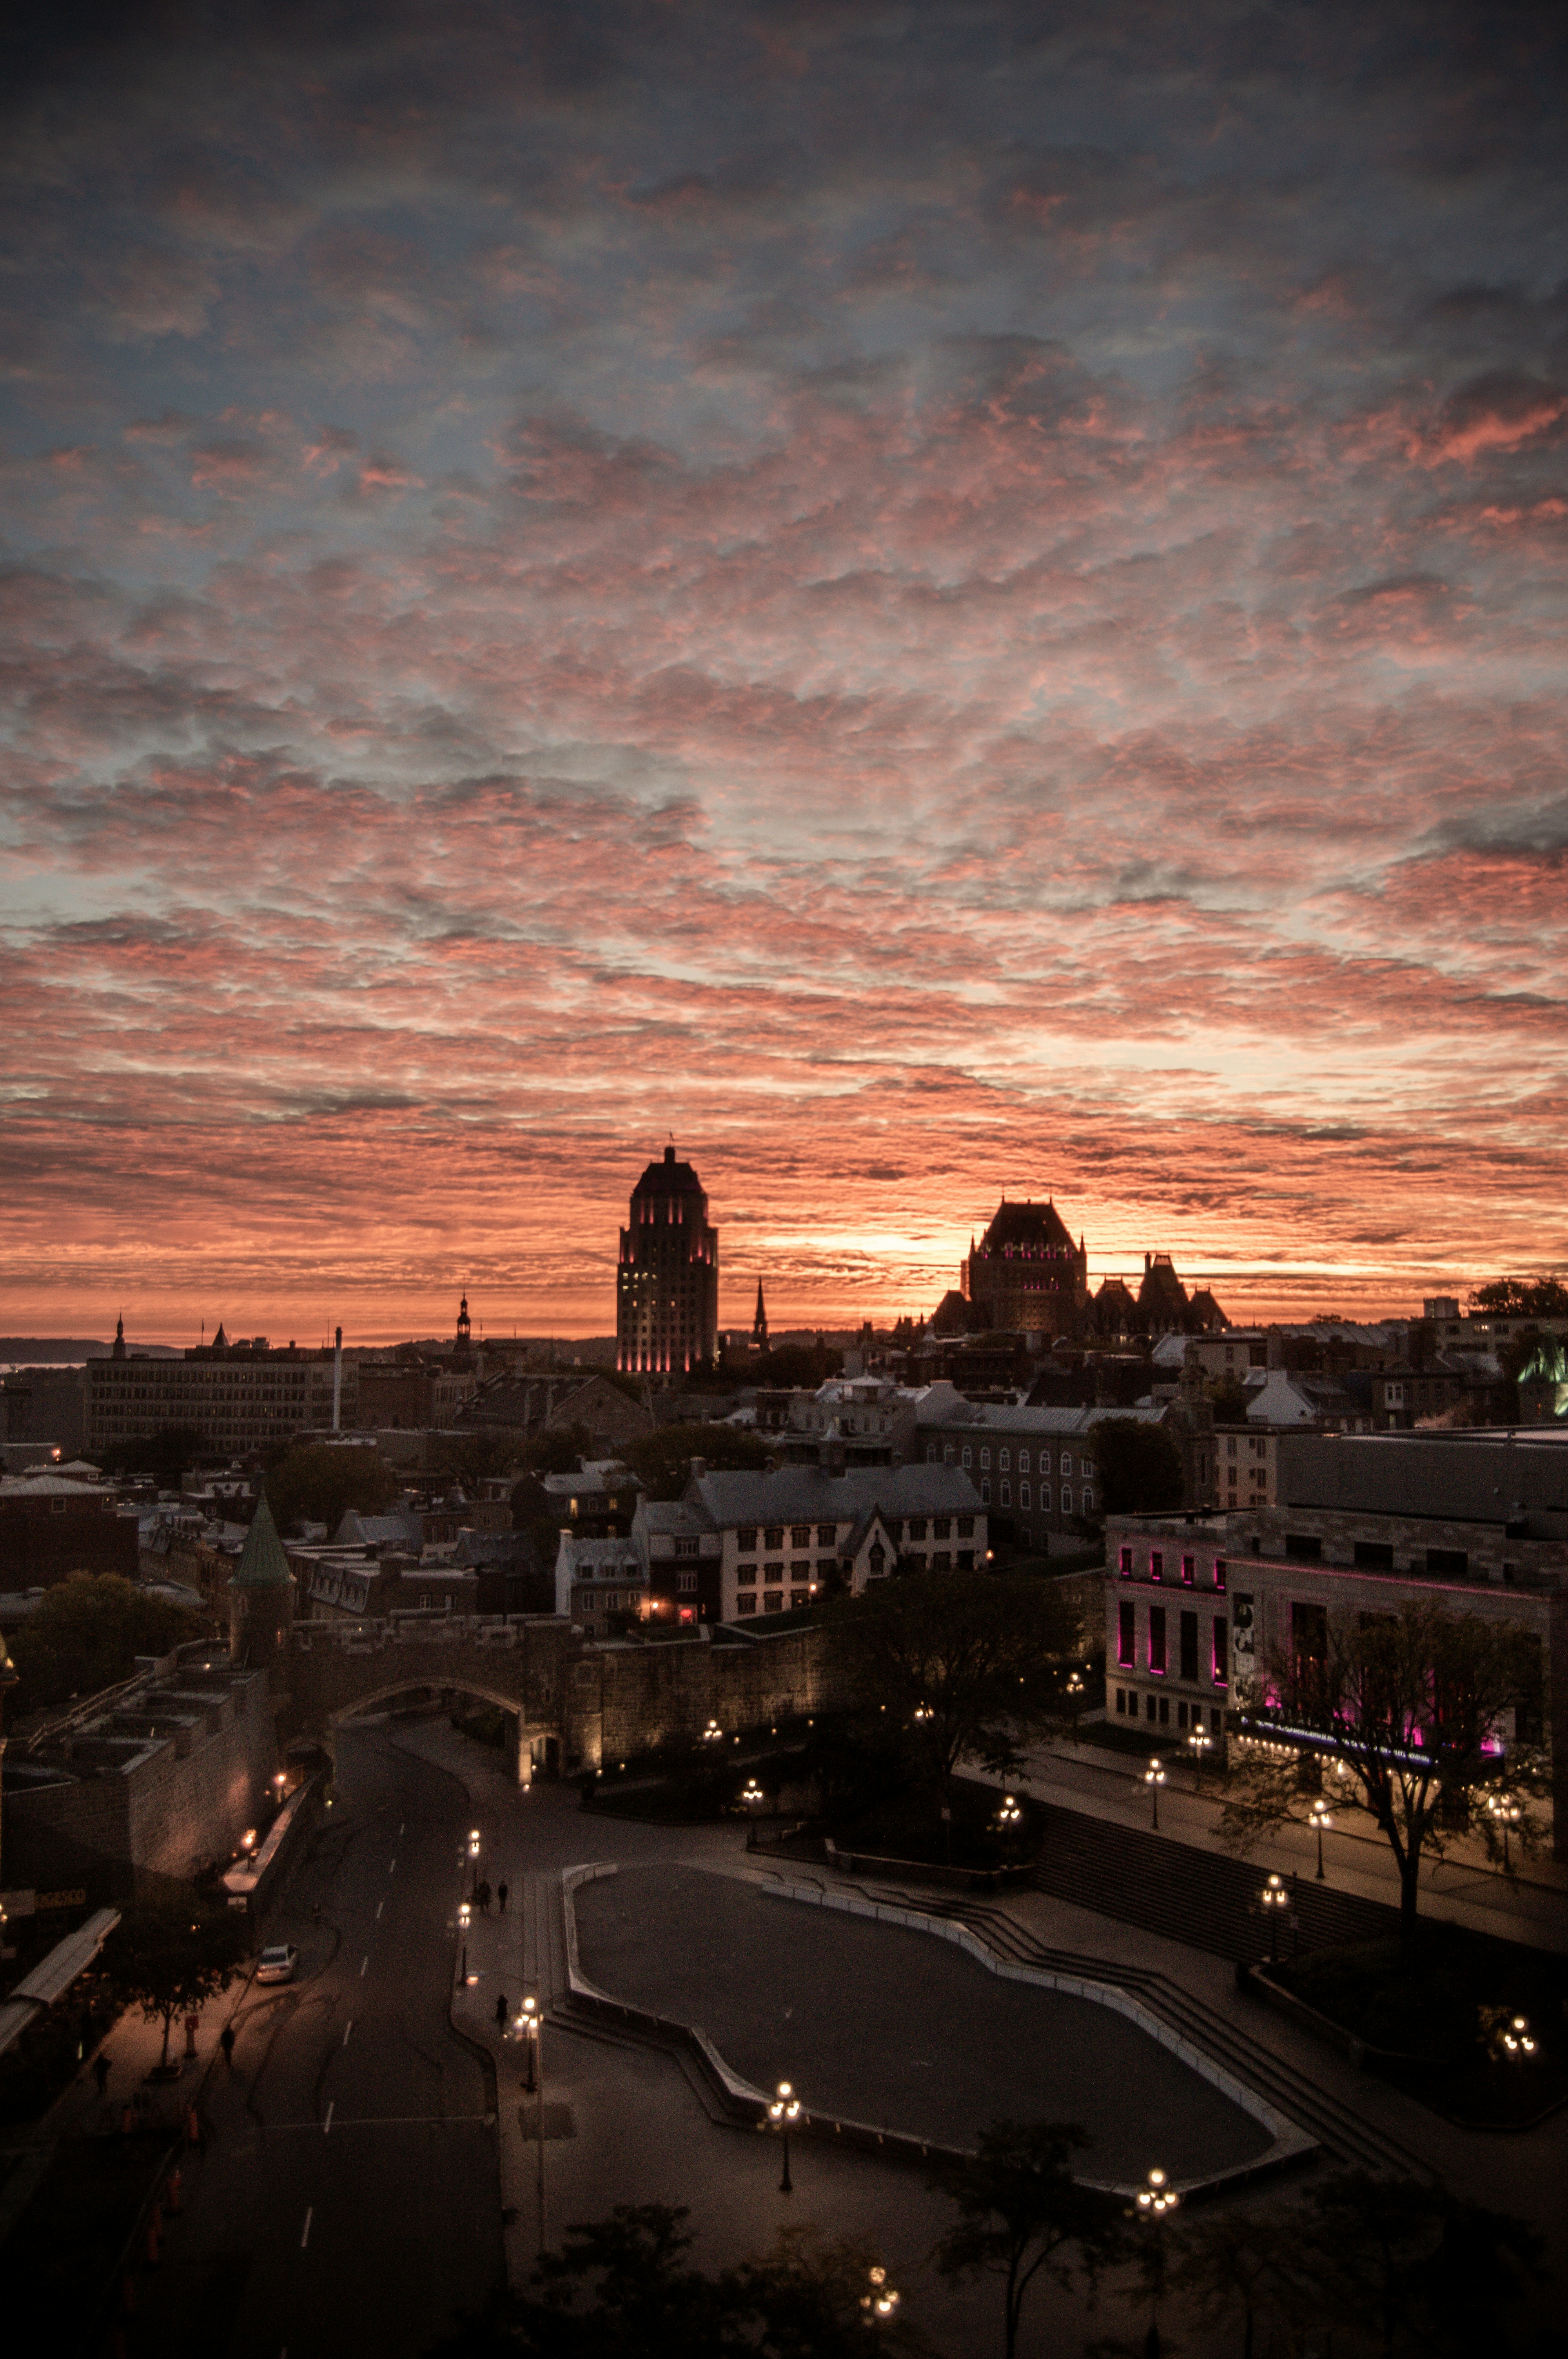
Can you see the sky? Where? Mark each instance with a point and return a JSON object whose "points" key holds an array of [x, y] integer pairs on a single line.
{"points": [[935, 601]]}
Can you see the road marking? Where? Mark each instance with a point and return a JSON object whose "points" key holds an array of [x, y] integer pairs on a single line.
{"points": [[305, 2236], [379, 1906], [362, 1965], [327, 2125], [401, 1825], [347, 2028], [392, 1869]]}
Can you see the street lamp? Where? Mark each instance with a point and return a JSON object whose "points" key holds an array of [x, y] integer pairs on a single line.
{"points": [[526, 2026], [881, 2304], [1319, 1816], [1075, 1693], [713, 1734], [1506, 1810], [1009, 1818], [1154, 1777], [1273, 1897], [465, 1918], [1156, 2196], [783, 2113], [752, 1793], [1516, 2038], [1200, 1742]]}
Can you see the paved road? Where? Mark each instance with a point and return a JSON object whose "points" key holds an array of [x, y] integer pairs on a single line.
{"points": [[348, 2199]]}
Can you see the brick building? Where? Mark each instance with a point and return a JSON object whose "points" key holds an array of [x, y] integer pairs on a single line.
{"points": [[54, 1524]]}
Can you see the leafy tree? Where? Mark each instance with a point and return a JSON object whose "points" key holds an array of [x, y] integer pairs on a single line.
{"points": [[166, 1455], [1239, 2267], [624, 2284], [170, 1960], [86, 1635], [663, 1459], [1404, 1702], [1138, 1466], [1527, 1298], [965, 1661], [795, 1366], [1229, 1397], [314, 1482], [1404, 2261], [1020, 2211]]}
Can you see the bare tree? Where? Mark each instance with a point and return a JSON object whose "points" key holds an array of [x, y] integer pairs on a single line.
{"points": [[1409, 1706]]}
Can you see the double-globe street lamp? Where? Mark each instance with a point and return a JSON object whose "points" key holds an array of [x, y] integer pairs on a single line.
{"points": [[1272, 1899], [881, 2305], [783, 2115], [1200, 1743], [1156, 2199], [1154, 1777], [1319, 1817]]}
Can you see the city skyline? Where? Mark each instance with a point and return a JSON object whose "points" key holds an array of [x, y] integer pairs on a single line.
{"points": [[937, 601]]}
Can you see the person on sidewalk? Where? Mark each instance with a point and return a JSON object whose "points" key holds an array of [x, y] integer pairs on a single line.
{"points": [[226, 2042], [101, 2071], [501, 1898], [500, 2011]]}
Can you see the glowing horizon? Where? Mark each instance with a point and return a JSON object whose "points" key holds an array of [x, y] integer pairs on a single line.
{"points": [[939, 603]]}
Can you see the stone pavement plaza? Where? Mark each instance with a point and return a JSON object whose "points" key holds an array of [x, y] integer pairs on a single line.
{"points": [[879, 2023]]}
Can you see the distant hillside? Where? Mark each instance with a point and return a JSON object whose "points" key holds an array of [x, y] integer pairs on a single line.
{"points": [[52, 1351]]}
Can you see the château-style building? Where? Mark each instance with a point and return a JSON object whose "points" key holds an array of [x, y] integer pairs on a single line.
{"points": [[666, 1288], [1026, 1274]]}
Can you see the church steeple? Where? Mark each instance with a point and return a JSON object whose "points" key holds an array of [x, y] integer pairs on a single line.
{"points": [[119, 1350], [464, 1330], [760, 1324]]}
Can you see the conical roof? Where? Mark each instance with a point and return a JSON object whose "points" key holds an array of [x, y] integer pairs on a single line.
{"points": [[263, 1564]]}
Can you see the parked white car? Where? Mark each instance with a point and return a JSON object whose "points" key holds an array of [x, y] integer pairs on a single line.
{"points": [[277, 1964]]}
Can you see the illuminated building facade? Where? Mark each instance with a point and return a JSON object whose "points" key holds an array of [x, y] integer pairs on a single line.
{"points": [[666, 1288]]}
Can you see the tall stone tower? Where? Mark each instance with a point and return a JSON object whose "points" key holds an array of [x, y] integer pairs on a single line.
{"points": [[261, 1596], [666, 1288]]}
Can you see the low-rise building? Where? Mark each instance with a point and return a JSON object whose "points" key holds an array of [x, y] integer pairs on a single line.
{"points": [[52, 1525], [600, 1585]]}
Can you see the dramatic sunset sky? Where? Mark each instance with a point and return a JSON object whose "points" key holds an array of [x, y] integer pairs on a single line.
{"points": [[934, 599]]}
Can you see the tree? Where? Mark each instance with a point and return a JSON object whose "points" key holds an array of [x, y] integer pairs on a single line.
{"points": [[624, 2284], [662, 1461], [967, 1661], [168, 1960], [1528, 1297], [165, 1456], [1020, 2211], [1404, 2260], [1229, 1397], [1139, 1466], [314, 1482], [1236, 2267], [86, 1635], [1404, 1703]]}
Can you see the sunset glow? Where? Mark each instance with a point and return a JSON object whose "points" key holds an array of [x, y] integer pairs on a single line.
{"points": [[932, 601]]}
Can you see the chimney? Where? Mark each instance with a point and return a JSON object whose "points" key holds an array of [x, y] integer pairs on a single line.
{"points": [[338, 1382], [698, 1469]]}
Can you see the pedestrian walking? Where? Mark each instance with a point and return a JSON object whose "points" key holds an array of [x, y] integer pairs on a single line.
{"points": [[501, 1897], [101, 2071], [500, 2011], [482, 1897], [226, 2042]]}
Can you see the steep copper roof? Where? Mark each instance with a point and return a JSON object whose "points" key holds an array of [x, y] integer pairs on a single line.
{"points": [[263, 1564], [1028, 1225]]}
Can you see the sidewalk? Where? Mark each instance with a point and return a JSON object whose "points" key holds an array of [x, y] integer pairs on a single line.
{"points": [[1530, 1907]]}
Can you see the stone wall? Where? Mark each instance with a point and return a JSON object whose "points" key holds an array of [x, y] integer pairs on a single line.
{"points": [[128, 1826]]}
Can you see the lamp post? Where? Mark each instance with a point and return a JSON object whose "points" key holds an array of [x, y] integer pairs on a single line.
{"points": [[465, 1918], [1154, 1777], [713, 1734], [1319, 1816], [881, 2304], [1517, 2041], [1200, 1743], [525, 2025], [1156, 2199], [1508, 1814], [528, 2024], [783, 2113], [1075, 1698], [1272, 1898], [473, 1854]]}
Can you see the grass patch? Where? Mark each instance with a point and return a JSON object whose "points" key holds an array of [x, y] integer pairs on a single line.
{"points": [[1433, 2013]]}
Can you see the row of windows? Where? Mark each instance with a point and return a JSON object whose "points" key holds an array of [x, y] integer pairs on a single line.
{"points": [[966, 1457], [1157, 1568], [801, 1569], [1024, 1496], [800, 1536], [773, 1601], [1157, 1708], [1187, 1644]]}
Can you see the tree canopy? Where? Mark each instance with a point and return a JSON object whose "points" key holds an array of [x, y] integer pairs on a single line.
{"points": [[967, 1662], [662, 1460], [1531, 1297], [1139, 1466], [166, 1455], [1020, 2211], [315, 1482], [86, 1635], [171, 1959], [1407, 1704]]}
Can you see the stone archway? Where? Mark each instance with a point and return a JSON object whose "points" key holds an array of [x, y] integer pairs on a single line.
{"points": [[527, 1745]]}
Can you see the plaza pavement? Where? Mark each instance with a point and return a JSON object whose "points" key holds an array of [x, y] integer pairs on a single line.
{"points": [[624, 2123]]}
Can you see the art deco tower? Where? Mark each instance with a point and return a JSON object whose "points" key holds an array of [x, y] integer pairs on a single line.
{"points": [[667, 1288]]}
